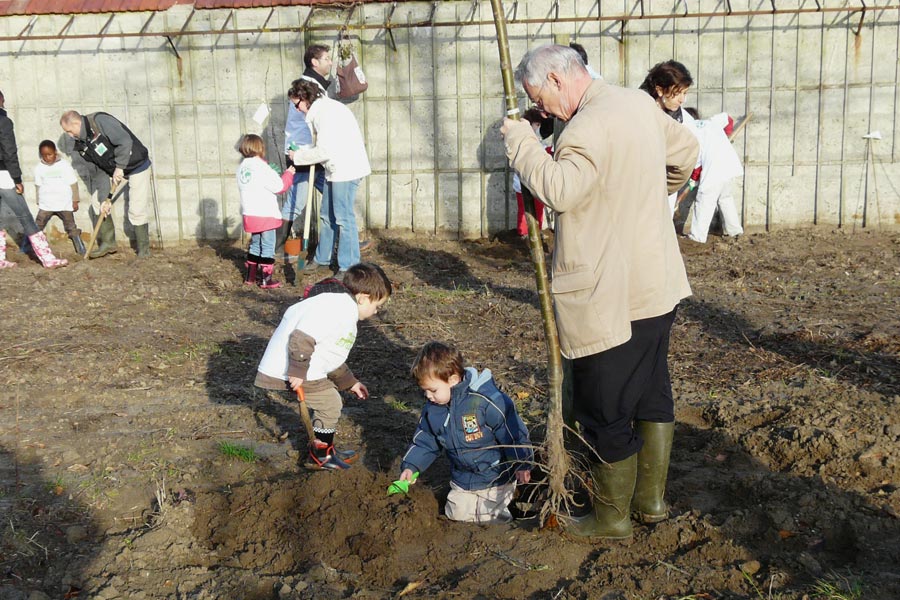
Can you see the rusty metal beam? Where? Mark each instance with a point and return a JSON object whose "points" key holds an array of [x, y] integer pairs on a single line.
{"points": [[67, 25], [388, 25], [862, 16], [430, 23]]}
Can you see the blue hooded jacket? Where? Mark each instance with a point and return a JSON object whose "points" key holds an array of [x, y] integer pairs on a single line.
{"points": [[481, 431]]}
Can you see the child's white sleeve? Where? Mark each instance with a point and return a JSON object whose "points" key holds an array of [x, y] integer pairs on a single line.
{"points": [[272, 180], [720, 120]]}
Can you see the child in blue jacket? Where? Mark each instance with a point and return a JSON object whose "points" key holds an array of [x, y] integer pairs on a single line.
{"points": [[477, 425]]}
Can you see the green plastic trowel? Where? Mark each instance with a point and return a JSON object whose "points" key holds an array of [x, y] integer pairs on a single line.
{"points": [[401, 486]]}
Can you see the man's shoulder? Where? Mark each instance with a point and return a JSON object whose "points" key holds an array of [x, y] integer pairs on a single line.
{"points": [[101, 115], [104, 119], [608, 106], [603, 94]]}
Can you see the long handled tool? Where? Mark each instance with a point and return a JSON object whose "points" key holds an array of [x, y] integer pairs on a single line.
{"points": [[156, 207], [304, 415], [310, 196], [109, 197]]}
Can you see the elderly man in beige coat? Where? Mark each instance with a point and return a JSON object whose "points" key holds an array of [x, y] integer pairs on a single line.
{"points": [[617, 271]]}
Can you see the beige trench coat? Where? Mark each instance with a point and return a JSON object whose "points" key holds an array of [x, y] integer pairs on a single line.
{"points": [[616, 258]]}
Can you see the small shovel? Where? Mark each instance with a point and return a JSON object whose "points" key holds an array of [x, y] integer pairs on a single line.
{"points": [[401, 486], [307, 221]]}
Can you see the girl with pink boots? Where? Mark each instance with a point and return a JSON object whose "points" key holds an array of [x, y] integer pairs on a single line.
{"points": [[38, 240], [11, 190], [13, 199], [259, 184]]}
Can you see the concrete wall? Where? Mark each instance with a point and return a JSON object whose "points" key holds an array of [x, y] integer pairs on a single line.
{"points": [[430, 116]]}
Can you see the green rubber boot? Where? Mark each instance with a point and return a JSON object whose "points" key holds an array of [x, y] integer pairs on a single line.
{"points": [[142, 240], [648, 503], [613, 485], [106, 239]]}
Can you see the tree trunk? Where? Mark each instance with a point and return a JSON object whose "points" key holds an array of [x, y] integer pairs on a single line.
{"points": [[557, 461]]}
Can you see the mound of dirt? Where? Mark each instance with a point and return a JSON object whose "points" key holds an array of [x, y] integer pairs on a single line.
{"points": [[139, 462]]}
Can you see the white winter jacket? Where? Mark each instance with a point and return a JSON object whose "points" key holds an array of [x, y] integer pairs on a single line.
{"points": [[258, 184], [338, 142], [718, 158]]}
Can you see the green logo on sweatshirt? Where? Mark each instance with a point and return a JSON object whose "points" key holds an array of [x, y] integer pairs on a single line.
{"points": [[347, 341]]}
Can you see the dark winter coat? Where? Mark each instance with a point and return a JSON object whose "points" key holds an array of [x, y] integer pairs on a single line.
{"points": [[108, 143], [9, 152], [480, 430]]}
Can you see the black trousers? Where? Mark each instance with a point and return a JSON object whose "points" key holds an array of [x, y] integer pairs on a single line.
{"points": [[630, 382]]}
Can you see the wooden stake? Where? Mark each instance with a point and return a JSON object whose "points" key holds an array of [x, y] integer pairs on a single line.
{"points": [[557, 459]]}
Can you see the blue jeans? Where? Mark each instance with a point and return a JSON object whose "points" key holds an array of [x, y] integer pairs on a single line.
{"points": [[295, 201], [337, 216], [16, 203], [262, 244]]}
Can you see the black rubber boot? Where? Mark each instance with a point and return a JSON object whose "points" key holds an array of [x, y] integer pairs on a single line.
{"points": [[322, 457], [252, 264], [648, 503], [78, 244], [613, 485], [106, 239], [142, 240]]}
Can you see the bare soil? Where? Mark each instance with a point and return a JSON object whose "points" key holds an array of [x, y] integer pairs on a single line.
{"points": [[121, 379]]}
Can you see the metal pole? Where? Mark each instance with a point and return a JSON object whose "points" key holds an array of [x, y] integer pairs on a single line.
{"points": [[159, 236], [623, 18]]}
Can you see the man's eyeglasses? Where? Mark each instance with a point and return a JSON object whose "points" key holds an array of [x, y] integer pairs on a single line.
{"points": [[537, 97], [297, 103]]}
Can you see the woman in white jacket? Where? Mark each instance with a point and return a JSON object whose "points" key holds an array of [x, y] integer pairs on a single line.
{"points": [[338, 143]]}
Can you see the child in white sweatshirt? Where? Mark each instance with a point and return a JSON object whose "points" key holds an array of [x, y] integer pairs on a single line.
{"points": [[719, 165], [259, 184]]}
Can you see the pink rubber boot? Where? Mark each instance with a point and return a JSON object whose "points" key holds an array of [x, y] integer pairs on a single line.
{"points": [[4, 264], [264, 278], [42, 251]]}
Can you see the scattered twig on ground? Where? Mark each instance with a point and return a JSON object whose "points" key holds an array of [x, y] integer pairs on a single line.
{"points": [[519, 564], [31, 541], [162, 505], [43, 350], [411, 587], [202, 436], [669, 565]]}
